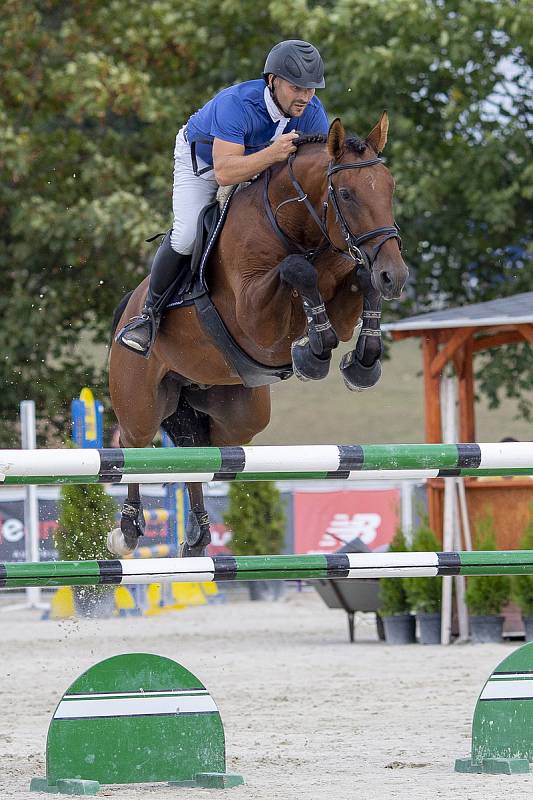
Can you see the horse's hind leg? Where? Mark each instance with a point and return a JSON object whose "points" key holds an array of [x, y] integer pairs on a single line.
{"points": [[221, 415], [197, 532], [234, 415], [190, 428], [139, 424], [123, 540]]}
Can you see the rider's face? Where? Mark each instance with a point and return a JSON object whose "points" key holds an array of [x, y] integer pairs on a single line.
{"points": [[292, 99]]}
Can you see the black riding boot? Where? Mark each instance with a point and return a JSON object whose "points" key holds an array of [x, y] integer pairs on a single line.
{"points": [[168, 268]]}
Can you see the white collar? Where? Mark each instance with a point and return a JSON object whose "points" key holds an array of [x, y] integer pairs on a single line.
{"points": [[275, 114]]}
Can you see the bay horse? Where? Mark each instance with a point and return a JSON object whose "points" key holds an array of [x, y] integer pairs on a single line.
{"points": [[291, 273]]}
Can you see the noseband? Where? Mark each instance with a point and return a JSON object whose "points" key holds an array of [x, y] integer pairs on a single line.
{"points": [[353, 241]]}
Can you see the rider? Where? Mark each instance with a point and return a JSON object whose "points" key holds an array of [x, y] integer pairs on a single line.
{"points": [[238, 134]]}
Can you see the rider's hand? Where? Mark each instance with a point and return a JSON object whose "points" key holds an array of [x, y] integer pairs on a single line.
{"points": [[283, 146]]}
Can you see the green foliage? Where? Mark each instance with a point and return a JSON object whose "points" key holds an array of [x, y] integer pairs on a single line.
{"points": [[486, 594], [522, 585], [424, 594], [86, 515], [506, 373], [256, 517], [392, 592], [93, 92]]}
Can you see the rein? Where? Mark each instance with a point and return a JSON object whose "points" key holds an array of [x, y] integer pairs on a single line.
{"points": [[354, 250]]}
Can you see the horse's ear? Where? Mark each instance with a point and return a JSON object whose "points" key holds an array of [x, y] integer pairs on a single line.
{"points": [[377, 138], [336, 139]]}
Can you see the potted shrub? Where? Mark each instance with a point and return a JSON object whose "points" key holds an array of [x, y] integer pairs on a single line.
{"points": [[424, 594], [256, 518], [86, 514], [486, 594], [522, 585], [398, 622]]}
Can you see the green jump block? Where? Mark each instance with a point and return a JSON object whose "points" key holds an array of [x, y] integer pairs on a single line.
{"points": [[184, 784], [42, 785], [467, 765], [132, 719], [68, 786], [211, 780], [218, 780], [505, 766], [502, 725]]}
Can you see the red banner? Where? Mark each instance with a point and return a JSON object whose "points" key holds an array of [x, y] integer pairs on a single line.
{"points": [[325, 521]]}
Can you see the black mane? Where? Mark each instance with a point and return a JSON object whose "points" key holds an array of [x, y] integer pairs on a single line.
{"points": [[310, 138], [354, 143]]}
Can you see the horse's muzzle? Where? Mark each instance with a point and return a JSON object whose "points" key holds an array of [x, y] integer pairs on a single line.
{"points": [[389, 280]]}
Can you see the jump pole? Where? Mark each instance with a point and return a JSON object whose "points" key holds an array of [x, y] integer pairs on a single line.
{"points": [[309, 462], [275, 567]]}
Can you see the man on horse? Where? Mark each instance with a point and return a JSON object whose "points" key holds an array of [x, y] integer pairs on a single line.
{"points": [[238, 134]]}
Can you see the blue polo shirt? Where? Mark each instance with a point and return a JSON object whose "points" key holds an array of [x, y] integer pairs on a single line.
{"points": [[239, 114]]}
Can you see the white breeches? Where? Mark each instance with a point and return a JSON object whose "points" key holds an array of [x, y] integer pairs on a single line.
{"points": [[190, 194]]}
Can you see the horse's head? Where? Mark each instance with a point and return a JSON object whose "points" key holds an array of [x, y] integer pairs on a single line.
{"points": [[360, 191]]}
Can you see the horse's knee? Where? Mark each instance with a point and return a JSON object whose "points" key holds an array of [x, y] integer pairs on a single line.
{"points": [[299, 273]]}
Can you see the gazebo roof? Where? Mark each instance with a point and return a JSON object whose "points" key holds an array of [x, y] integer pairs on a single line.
{"points": [[514, 310]]}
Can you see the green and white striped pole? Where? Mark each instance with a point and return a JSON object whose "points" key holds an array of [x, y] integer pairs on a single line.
{"points": [[276, 567], [309, 462]]}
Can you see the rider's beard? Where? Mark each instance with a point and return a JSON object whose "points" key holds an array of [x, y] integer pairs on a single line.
{"points": [[274, 95], [297, 105], [287, 111], [295, 108]]}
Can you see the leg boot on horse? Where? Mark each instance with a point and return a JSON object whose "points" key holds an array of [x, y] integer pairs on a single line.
{"points": [[310, 353]]}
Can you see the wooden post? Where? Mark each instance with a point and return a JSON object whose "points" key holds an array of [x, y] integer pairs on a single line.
{"points": [[465, 374], [432, 417], [431, 388]]}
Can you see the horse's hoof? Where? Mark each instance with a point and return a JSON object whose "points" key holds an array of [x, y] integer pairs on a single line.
{"points": [[356, 376], [306, 365], [198, 551], [117, 545]]}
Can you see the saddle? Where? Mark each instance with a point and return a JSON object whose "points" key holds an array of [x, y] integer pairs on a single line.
{"points": [[196, 292]]}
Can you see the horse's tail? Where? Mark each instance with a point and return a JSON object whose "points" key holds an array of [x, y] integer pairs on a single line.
{"points": [[119, 310]]}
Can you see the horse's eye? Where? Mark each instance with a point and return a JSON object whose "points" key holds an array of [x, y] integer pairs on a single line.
{"points": [[345, 194]]}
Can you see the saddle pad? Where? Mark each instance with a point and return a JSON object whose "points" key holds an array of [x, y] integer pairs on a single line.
{"points": [[210, 223]]}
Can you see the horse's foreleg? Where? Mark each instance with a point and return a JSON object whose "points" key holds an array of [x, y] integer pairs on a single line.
{"points": [[361, 368], [311, 353]]}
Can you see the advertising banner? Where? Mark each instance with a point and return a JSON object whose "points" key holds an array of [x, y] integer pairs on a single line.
{"points": [[325, 521], [12, 532]]}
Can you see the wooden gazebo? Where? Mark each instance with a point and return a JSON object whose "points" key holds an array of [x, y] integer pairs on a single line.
{"points": [[452, 337]]}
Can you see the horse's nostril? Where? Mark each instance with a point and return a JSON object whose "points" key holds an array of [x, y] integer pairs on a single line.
{"points": [[386, 278]]}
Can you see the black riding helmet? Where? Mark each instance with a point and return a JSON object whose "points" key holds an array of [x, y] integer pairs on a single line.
{"points": [[297, 62]]}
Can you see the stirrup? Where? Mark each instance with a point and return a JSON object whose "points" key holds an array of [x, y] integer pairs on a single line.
{"points": [[148, 317]]}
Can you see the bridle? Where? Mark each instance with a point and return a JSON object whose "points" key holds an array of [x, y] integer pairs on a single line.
{"points": [[354, 242]]}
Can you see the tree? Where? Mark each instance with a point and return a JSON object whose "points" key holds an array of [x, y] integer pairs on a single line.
{"points": [[486, 594], [90, 101], [256, 518], [86, 515], [522, 585], [393, 597], [424, 594]]}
